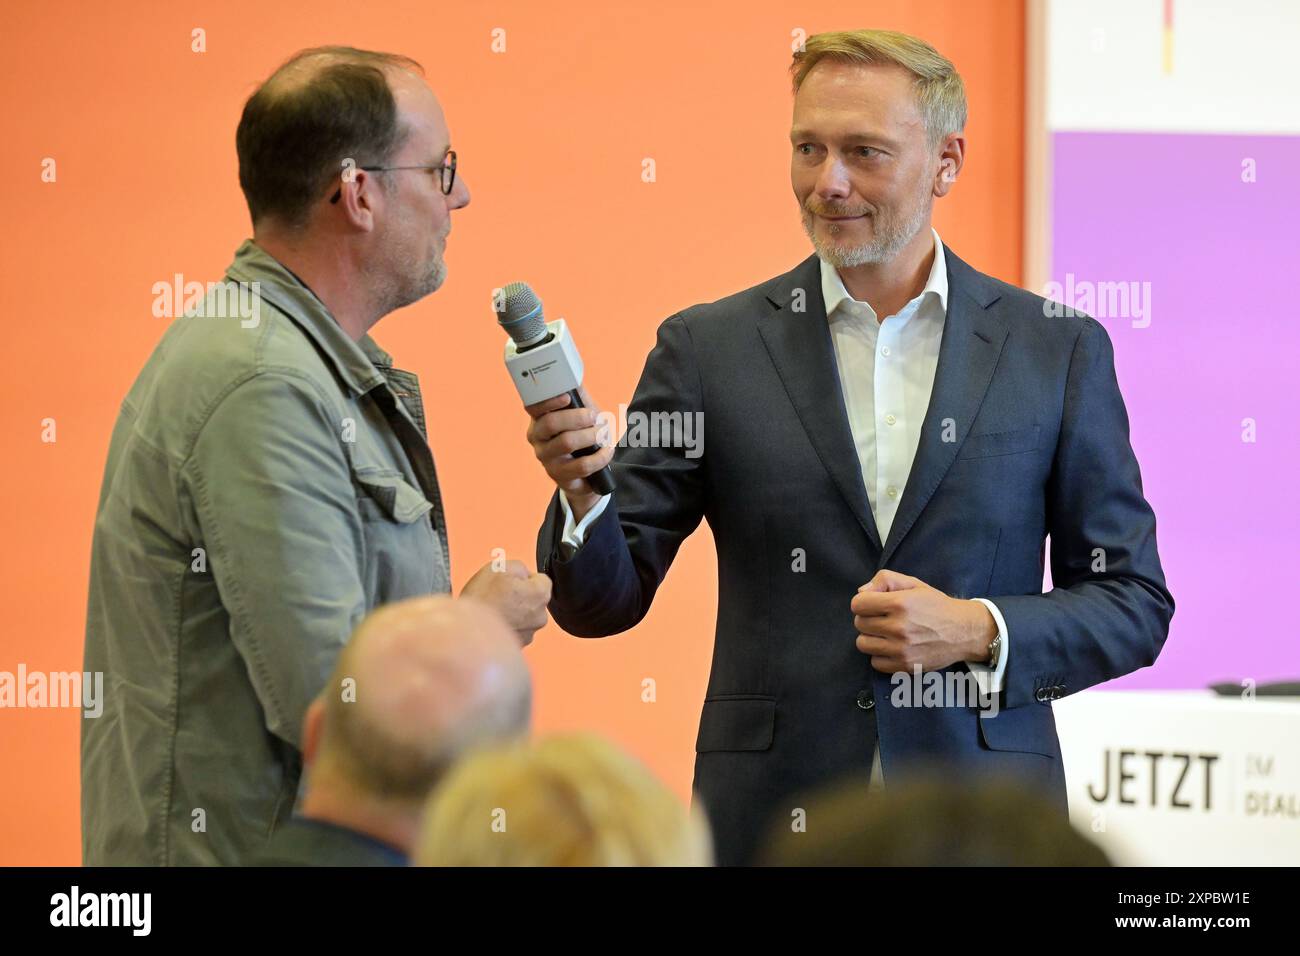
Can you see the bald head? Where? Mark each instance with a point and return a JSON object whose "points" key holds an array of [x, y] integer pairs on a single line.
{"points": [[305, 66], [421, 682]]}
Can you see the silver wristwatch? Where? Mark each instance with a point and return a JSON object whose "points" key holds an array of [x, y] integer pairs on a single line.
{"points": [[995, 651]]}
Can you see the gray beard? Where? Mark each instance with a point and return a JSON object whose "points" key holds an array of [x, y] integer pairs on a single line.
{"points": [[398, 295], [890, 238]]}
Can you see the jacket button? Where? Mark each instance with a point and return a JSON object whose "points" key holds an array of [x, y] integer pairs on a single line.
{"points": [[865, 700], [1042, 695]]}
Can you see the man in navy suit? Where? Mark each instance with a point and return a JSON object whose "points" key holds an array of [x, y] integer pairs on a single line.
{"points": [[892, 436]]}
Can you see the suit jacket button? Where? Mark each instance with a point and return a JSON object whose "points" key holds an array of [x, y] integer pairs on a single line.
{"points": [[1041, 695], [865, 700]]}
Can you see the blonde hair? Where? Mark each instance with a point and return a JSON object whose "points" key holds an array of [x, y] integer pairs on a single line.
{"points": [[940, 92], [567, 800]]}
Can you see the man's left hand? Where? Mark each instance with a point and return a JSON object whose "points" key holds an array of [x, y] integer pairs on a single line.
{"points": [[902, 622]]}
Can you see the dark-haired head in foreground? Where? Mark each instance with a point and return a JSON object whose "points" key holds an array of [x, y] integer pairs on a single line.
{"points": [[930, 821]]}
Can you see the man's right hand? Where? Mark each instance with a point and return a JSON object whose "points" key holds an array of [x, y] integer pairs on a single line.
{"points": [[519, 596], [555, 432]]}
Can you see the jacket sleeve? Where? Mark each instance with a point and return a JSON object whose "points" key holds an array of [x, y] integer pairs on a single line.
{"points": [[607, 585], [1108, 612], [279, 516]]}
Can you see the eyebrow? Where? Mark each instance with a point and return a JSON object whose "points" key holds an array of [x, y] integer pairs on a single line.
{"points": [[801, 135]]}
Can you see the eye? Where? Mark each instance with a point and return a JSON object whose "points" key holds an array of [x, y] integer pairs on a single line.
{"points": [[804, 149], [867, 152]]}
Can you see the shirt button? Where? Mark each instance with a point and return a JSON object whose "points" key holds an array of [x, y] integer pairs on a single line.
{"points": [[884, 350], [891, 491], [865, 700], [891, 420]]}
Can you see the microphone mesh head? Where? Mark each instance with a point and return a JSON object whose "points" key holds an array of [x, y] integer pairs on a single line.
{"points": [[520, 313]]}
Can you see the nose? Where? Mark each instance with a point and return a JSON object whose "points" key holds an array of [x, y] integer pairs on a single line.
{"points": [[833, 180], [459, 197]]}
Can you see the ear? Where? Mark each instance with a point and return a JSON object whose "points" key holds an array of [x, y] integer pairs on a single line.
{"points": [[951, 157], [358, 199], [311, 731]]}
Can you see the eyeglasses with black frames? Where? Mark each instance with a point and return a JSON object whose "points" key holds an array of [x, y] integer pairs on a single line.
{"points": [[446, 171]]}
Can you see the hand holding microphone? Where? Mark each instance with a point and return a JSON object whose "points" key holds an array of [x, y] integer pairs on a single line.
{"points": [[547, 371], [556, 429]]}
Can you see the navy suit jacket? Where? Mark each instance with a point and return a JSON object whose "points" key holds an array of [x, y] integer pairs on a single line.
{"points": [[1026, 436]]}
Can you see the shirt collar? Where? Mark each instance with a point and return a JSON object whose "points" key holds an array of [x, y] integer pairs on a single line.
{"points": [[834, 294], [357, 363]]}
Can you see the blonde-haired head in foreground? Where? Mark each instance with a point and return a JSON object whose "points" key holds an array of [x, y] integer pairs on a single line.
{"points": [[568, 800]]}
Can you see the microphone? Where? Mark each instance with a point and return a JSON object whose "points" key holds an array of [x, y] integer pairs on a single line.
{"points": [[542, 360]]}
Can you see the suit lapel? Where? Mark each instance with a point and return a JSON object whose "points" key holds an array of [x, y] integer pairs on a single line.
{"points": [[798, 340], [973, 336]]}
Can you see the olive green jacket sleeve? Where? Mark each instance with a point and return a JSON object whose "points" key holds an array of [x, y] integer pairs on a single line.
{"points": [[274, 497]]}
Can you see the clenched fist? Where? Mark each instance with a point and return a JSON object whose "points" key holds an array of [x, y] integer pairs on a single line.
{"points": [[518, 595], [902, 622]]}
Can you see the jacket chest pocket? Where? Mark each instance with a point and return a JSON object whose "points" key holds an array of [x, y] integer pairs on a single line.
{"points": [[403, 556], [384, 494], [1000, 444]]}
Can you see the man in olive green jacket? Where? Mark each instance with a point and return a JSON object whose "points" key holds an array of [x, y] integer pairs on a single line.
{"points": [[269, 479]]}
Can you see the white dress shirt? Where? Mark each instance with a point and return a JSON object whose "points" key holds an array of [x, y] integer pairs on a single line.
{"points": [[886, 371]]}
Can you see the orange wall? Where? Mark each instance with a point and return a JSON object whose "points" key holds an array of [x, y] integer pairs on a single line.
{"points": [[551, 135]]}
